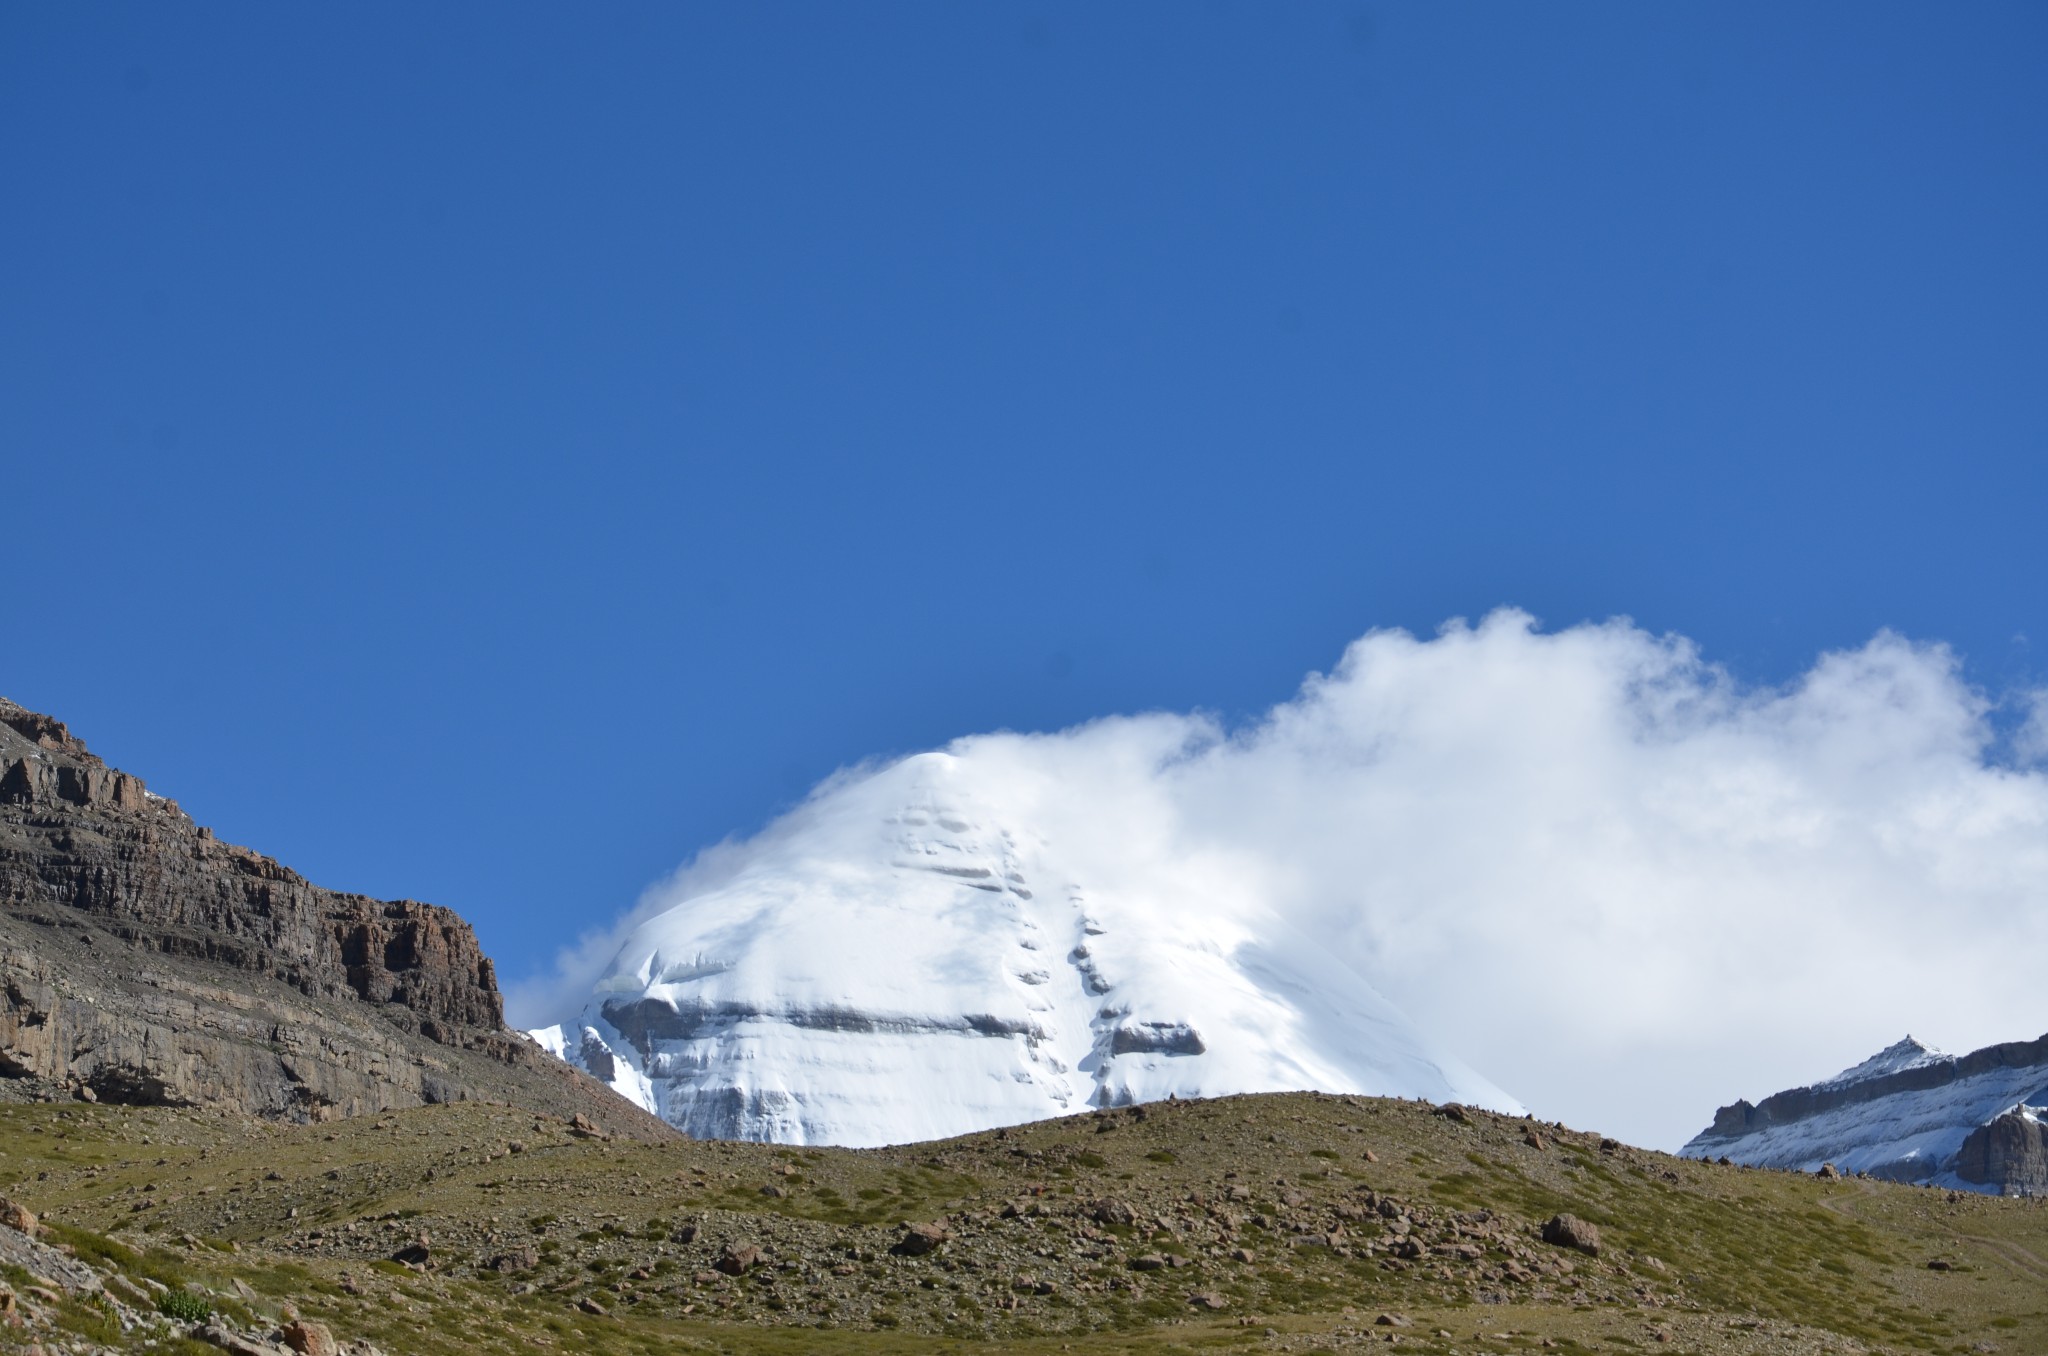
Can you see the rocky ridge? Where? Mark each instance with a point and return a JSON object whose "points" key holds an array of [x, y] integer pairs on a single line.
{"points": [[143, 961], [1909, 1114]]}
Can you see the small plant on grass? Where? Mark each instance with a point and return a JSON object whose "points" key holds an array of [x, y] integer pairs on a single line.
{"points": [[184, 1306]]}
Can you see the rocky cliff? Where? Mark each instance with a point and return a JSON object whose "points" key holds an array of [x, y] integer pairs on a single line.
{"points": [[2008, 1153], [145, 961]]}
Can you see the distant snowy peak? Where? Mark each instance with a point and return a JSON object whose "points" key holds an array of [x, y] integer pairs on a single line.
{"points": [[912, 955], [1910, 1113], [1907, 1054]]}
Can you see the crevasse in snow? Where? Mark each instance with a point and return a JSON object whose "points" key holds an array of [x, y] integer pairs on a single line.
{"points": [[915, 955]]}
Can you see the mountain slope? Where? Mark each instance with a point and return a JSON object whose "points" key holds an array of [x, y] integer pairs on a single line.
{"points": [[1282, 1223], [143, 961], [1907, 1113], [916, 956]]}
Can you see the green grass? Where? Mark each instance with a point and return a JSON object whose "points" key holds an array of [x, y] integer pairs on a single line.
{"points": [[1696, 1247]]}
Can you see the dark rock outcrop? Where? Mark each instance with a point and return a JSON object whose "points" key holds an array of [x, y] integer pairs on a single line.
{"points": [[144, 961], [2009, 1153]]}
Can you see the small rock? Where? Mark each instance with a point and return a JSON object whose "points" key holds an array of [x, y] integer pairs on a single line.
{"points": [[919, 1239], [238, 1344], [1391, 1321], [519, 1259], [1150, 1261], [1569, 1231], [1827, 1173], [1111, 1210], [739, 1259], [1941, 1264], [1371, 1157], [1533, 1140], [1208, 1299], [1452, 1111], [773, 1192], [18, 1217], [309, 1338], [1244, 1255], [591, 1306]]}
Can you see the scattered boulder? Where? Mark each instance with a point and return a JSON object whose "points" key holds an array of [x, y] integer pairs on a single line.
{"points": [[519, 1259], [415, 1254], [1150, 1261], [919, 1239], [1827, 1173], [1453, 1111], [1533, 1140], [1111, 1210], [1208, 1299], [1569, 1231], [592, 1307], [309, 1338], [18, 1217], [1392, 1321], [236, 1343], [739, 1258]]}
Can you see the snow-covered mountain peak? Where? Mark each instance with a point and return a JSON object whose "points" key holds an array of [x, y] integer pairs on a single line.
{"points": [[1906, 1054], [920, 952], [1910, 1113]]}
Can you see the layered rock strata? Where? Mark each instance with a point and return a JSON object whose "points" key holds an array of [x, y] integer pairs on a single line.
{"points": [[143, 960]]}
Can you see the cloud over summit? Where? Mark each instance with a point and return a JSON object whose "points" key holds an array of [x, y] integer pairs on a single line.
{"points": [[1617, 881]]}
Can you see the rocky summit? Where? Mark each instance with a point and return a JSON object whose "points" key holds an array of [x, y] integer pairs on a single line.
{"points": [[146, 962]]}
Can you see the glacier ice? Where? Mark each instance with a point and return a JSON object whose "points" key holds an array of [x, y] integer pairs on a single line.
{"points": [[919, 953]]}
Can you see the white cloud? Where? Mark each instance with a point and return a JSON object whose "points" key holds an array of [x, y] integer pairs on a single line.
{"points": [[1616, 881]]}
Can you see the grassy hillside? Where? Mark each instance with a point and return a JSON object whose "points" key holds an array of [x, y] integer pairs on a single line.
{"points": [[1273, 1223]]}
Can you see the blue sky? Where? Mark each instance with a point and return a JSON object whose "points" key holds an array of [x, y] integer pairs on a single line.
{"points": [[484, 453]]}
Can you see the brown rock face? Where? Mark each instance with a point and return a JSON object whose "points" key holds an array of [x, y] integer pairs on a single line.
{"points": [[144, 961], [2009, 1151], [309, 1338]]}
